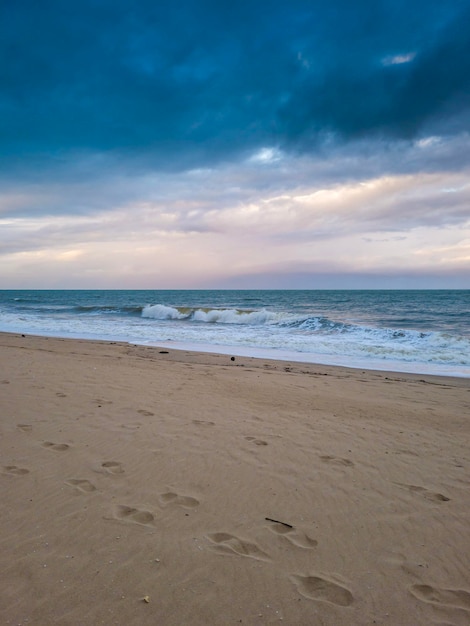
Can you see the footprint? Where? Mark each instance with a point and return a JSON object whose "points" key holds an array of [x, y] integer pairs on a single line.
{"points": [[257, 442], [17, 471], [404, 451], [112, 467], [85, 486], [457, 598], [335, 460], [25, 427], [173, 498], [410, 567], [429, 495], [59, 394], [297, 537], [229, 544], [131, 514], [59, 447], [317, 588], [146, 413]]}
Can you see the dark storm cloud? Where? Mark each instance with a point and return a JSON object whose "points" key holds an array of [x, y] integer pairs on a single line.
{"points": [[177, 84], [394, 73]]}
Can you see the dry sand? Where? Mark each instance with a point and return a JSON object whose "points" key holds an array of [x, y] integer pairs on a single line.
{"points": [[136, 487]]}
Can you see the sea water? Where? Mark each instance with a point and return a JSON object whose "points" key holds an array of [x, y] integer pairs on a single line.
{"points": [[408, 331]]}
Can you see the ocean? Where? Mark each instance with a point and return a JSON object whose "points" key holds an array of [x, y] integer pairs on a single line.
{"points": [[423, 331]]}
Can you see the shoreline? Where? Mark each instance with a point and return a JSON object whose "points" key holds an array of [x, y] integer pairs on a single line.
{"points": [[242, 352], [296, 357], [409, 333], [145, 485]]}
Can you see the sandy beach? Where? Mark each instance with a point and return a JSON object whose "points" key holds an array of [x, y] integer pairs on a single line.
{"points": [[142, 485]]}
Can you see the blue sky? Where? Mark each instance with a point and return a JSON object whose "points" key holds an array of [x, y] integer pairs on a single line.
{"points": [[220, 144]]}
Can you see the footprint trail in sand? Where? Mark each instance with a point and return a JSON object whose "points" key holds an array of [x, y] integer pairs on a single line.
{"points": [[225, 543], [131, 514], [15, 470], [81, 484], [112, 467], [296, 537], [58, 447], [318, 588], [173, 498], [456, 598]]}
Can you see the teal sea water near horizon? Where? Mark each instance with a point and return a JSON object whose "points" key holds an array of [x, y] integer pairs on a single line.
{"points": [[422, 331]]}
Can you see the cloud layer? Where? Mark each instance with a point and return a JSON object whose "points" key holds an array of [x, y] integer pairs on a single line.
{"points": [[207, 143]]}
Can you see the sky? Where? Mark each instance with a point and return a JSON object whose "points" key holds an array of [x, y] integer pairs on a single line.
{"points": [[251, 144]]}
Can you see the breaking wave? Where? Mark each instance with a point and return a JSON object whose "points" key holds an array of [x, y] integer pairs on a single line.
{"points": [[210, 315], [417, 331]]}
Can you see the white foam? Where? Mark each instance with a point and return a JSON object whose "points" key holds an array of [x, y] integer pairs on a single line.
{"points": [[234, 316], [162, 312], [388, 365], [262, 333], [210, 316]]}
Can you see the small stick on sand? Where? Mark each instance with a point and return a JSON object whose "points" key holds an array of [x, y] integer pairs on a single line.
{"points": [[276, 521]]}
